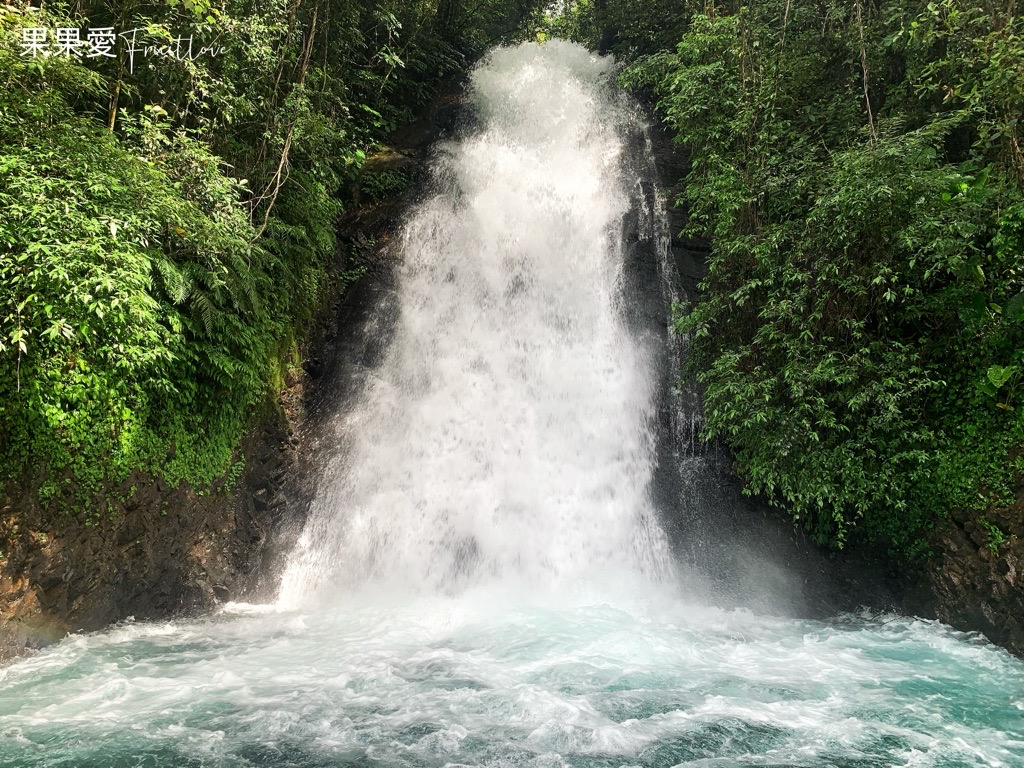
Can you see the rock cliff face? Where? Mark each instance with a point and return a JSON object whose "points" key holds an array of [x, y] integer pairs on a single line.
{"points": [[164, 551], [167, 552], [977, 577]]}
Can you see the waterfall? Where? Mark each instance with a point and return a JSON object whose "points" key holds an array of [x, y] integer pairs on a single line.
{"points": [[508, 431]]}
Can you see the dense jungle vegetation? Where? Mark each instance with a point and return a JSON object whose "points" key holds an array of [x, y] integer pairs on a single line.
{"points": [[168, 223], [858, 167]]}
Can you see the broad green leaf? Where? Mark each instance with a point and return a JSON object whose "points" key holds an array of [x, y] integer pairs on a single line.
{"points": [[999, 375]]}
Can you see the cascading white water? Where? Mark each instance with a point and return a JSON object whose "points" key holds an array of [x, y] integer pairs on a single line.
{"points": [[508, 431], [505, 440]]}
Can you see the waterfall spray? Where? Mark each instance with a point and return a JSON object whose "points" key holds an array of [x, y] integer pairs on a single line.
{"points": [[508, 431]]}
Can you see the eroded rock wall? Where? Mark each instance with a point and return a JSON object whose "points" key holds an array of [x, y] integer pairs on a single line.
{"points": [[161, 552], [977, 577]]}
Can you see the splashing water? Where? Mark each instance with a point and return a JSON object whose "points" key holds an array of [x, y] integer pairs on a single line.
{"points": [[482, 581], [507, 432], [481, 681]]}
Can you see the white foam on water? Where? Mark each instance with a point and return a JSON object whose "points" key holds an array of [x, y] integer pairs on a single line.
{"points": [[460, 680]]}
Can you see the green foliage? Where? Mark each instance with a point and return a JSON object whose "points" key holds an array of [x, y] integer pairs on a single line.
{"points": [[996, 537], [573, 20], [129, 294], [380, 186], [166, 232], [860, 333]]}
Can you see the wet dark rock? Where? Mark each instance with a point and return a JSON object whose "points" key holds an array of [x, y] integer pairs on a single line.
{"points": [[975, 579]]}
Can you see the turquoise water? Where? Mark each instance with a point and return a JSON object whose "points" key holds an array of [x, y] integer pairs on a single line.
{"points": [[489, 679]]}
